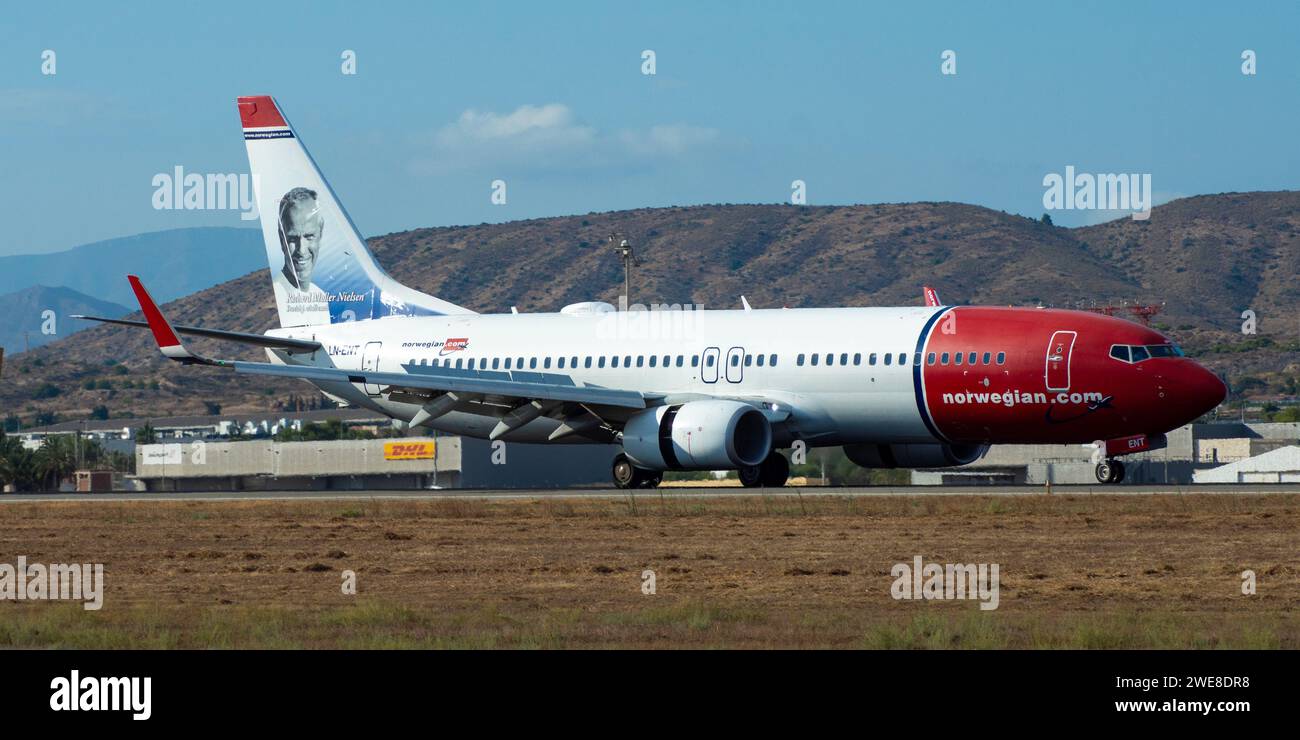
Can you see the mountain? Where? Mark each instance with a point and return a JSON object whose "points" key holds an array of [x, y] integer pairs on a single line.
{"points": [[1206, 259], [172, 263], [25, 312]]}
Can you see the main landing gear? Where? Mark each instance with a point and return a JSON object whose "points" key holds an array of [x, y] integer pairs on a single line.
{"points": [[627, 475], [771, 473], [1110, 472]]}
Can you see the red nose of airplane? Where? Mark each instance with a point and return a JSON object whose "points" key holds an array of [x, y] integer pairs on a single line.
{"points": [[1204, 390]]}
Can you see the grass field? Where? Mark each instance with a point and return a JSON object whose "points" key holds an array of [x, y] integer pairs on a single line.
{"points": [[767, 572]]}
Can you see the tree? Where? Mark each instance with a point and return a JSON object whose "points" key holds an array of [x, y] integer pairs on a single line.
{"points": [[17, 466], [1047, 219], [99, 412], [146, 435], [55, 460]]}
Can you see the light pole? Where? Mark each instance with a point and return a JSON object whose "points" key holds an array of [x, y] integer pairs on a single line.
{"points": [[624, 249]]}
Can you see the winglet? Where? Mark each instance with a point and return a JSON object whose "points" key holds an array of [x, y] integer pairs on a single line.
{"points": [[931, 296], [169, 342]]}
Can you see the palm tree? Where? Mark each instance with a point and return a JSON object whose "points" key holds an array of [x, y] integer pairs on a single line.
{"points": [[55, 460]]}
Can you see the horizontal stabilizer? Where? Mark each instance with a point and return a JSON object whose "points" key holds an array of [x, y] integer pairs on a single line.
{"points": [[259, 340]]}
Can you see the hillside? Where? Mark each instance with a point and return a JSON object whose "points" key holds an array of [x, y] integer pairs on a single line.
{"points": [[1206, 258], [24, 313], [174, 263]]}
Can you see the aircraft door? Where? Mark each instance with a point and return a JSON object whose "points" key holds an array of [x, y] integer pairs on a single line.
{"points": [[370, 363], [709, 365], [1059, 349], [735, 364]]}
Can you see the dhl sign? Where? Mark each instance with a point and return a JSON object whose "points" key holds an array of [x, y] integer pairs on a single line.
{"points": [[409, 450]]}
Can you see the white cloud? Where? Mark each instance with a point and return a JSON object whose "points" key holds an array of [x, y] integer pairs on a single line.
{"points": [[551, 137]]}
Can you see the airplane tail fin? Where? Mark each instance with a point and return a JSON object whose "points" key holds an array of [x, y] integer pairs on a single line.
{"points": [[321, 270]]}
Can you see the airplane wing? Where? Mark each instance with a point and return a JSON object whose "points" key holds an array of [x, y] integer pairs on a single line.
{"points": [[518, 397]]}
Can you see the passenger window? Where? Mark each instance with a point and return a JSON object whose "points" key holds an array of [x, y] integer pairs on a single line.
{"points": [[600, 361], [760, 360], [799, 360], [695, 360], [520, 363], [532, 363], [929, 359], [640, 360], [496, 362], [888, 358], [560, 364], [679, 360], [943, 359], [546, 363], [627, 360], [735, 360], [587, 362], [708, 361], [654, 360], [871, 360], [573, 362], [956, 358], [508, 363], [902, 358], [1002, 358], [613, 361], [844, 359], [857, 358], [830, 359], [815, 357], [771, 360], [970, 359], [749, 360], [458, 363]]}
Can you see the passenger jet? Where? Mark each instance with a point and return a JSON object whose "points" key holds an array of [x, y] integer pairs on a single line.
{"points": [[902, 387]]}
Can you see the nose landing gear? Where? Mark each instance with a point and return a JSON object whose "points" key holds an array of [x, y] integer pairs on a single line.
{"points": [[1110, 472]]}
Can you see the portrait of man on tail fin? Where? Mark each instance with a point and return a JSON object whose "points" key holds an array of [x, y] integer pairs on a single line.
{"points": [[300, 236]]}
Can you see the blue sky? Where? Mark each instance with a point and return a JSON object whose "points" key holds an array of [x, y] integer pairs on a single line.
{"points": [[747, 97]]}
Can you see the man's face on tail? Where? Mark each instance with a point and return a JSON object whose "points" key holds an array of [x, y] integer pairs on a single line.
{"points": [[300, 235]]}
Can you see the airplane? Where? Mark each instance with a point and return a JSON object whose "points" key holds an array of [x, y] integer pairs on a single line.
{"points": [[898, 387]]}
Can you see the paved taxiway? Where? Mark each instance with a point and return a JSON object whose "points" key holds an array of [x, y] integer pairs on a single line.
{"points": [[676, 492]]}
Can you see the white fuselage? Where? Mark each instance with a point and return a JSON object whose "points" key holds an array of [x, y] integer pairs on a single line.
{"points": [[719, 353]]}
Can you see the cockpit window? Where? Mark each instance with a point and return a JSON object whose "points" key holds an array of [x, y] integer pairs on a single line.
{"points": [[1129, 353], [1164, 350]]}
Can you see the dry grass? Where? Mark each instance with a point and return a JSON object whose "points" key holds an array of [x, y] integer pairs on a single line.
{"points": [[773, 571]]}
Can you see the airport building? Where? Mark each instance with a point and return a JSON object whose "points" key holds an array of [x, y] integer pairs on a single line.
{"points": [[1192, 451], [368, 464]]}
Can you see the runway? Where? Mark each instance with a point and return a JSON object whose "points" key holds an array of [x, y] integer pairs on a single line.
{"points": [[1239, 489]]}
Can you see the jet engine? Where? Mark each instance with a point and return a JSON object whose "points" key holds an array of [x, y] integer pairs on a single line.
{"points": [[698, 435], [914, 455]]}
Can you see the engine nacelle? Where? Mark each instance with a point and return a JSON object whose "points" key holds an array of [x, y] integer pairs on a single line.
{"points": [[914, 455], [698, 435]]}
